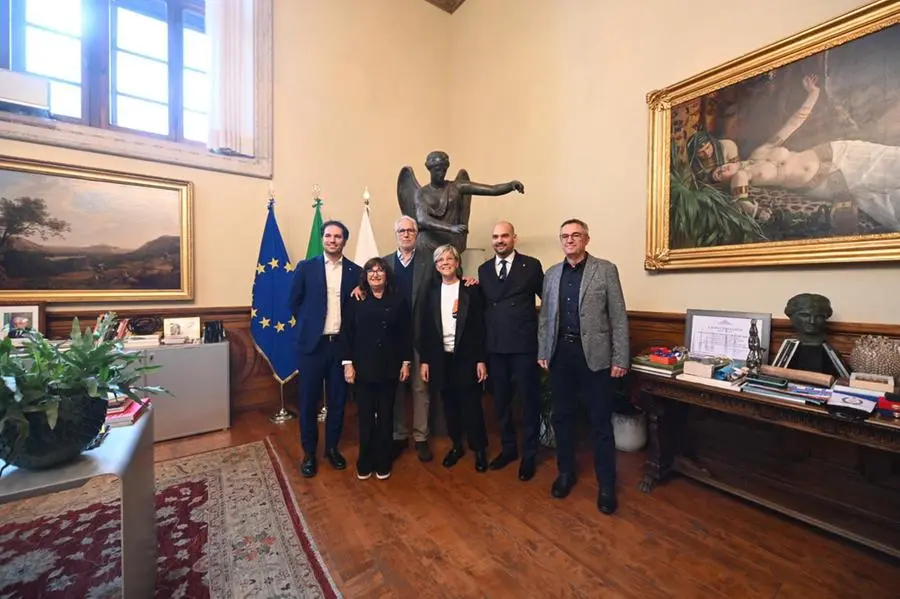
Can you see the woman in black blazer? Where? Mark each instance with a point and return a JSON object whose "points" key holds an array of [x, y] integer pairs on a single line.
{"points": [[453, 355], [376, 334]]}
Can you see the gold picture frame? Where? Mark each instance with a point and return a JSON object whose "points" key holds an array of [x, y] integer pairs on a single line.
{"points": [[75, 234], [701, 216]]}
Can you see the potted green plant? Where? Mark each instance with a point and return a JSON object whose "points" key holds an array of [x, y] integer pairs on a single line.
{"points": [[54, 397]]}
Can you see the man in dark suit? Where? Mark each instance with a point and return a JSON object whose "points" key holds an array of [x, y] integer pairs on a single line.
{"points": [[321, 287], [411, 274], [583, 340], [510, 281]]}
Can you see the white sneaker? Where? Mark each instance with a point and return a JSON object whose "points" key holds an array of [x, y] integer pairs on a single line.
{"points": [[381, 476], [362, 476]]}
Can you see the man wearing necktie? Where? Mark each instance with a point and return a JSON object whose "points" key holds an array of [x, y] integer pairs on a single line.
{"points": [[510, 281]]}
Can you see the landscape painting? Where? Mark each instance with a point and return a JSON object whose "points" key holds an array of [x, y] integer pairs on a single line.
{"points": [[787, 155], [70, 234]]}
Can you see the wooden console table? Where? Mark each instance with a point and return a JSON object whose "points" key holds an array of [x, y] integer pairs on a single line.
{"points": [[774, 454]]}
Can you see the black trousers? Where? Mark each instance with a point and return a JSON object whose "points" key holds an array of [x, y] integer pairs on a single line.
{"points": [[505, 369], [462, 408], [569, 375], [375, 401]]}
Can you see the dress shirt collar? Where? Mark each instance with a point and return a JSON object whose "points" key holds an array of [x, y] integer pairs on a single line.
{"points": [[509, 260]]}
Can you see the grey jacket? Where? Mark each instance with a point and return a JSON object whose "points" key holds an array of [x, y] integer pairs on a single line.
{"points": [[601, 307]]}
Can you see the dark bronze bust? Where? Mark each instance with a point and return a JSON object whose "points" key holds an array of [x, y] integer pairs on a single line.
{"points": [[442, 207], [809, 313]]}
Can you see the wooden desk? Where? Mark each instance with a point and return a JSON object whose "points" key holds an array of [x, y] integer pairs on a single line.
{"points": [[841, 476], [127, 452]]}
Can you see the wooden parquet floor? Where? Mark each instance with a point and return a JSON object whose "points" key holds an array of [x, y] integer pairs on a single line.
{"points": [[432, 532]]}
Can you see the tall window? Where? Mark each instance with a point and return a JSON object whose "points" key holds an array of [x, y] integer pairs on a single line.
{"points": [[138, 65]]}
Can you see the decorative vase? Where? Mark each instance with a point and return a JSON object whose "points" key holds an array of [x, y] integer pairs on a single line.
{"points": [[874, 354], [630, 430], [79, 422]]}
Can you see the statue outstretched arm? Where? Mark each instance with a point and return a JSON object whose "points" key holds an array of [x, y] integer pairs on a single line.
{"points": [[483, 189]]}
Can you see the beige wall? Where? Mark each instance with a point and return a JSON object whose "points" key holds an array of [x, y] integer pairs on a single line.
{"points": [[554, 93], [359, 91], [548, 92]]}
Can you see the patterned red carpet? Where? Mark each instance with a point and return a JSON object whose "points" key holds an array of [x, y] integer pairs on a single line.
{"points": [[228, 526]]}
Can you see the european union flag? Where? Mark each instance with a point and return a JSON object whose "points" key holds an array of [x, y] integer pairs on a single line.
{"points": [[272, 325]]}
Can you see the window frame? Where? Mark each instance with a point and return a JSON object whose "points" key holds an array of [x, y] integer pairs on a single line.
{"points": [[120, 141]]}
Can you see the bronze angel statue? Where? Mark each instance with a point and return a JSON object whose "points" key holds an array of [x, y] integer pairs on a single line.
{"points": [[442, 207]]}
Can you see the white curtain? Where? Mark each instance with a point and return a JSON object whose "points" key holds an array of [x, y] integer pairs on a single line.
{"points": [[231, 29]]}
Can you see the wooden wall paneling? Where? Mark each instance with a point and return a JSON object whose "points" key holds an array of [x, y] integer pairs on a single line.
{"points": [[253, 386]]}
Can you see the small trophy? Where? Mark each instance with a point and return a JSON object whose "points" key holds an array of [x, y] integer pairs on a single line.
{"points": [[754, 356]]}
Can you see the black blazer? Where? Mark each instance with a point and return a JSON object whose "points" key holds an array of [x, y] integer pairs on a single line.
{"points": [[376, 335], [469, 346], [511, 317]]}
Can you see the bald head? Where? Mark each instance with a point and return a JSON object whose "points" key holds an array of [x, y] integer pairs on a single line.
{"points": [[503, 238]]}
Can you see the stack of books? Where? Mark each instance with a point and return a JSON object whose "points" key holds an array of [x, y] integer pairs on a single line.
{"points": [[124, 411], [659, 361], [878, 391], [715, 372]]}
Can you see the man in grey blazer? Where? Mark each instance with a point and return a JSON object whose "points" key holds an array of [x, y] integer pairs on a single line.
{"points": [[412, 274], [583, 340]]}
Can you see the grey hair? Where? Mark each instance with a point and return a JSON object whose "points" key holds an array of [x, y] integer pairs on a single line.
{"points": [[410, 219], [443, 249], [576, 221]]}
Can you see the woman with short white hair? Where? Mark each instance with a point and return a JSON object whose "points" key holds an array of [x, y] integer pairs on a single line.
{"points": [[452, 350]]}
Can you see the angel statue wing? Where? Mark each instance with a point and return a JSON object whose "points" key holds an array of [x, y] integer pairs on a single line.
{"points": [[407, 187]]}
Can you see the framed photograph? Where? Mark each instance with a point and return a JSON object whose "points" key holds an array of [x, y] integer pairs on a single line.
{"points": [[73, 234], [188, 327], [18, 319], [718, 333], [787, 155]]}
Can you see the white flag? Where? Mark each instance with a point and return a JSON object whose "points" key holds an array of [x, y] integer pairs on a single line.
{"points": [[365, 241]]}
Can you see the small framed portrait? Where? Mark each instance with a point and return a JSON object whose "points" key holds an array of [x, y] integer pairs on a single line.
{"points": [[17, 320], [188, 328]]}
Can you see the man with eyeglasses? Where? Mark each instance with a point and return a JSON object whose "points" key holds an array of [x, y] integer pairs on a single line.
{"points": [[583, 341], [411, 276]]}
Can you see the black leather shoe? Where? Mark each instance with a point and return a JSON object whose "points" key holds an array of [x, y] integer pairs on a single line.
{"points": [[336, 459], [563, 484], [423, 451], [503, 460], [453, 456], [526, 469], [481, 464], [308, 466], [607, 502]]}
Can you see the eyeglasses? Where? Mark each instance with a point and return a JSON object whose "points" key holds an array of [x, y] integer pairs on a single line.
{"points": [[373, 271], [572, 236], [402, 231]]}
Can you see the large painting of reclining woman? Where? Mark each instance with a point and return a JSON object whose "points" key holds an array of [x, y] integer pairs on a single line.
{"points": [[788, 155]]}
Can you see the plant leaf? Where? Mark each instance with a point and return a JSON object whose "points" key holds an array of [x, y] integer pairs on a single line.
{"points": [[52, 412]]}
